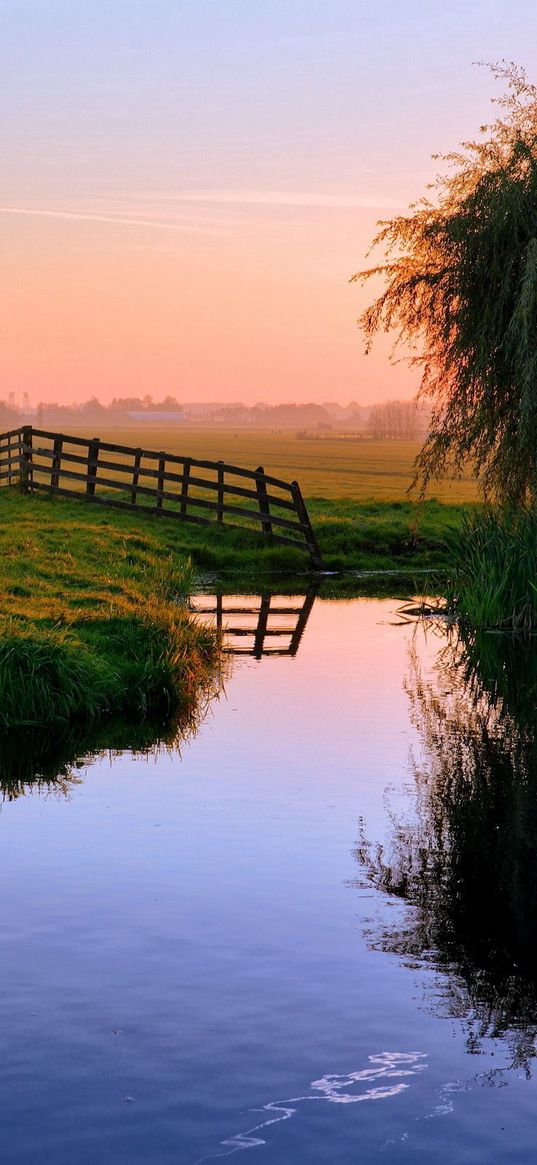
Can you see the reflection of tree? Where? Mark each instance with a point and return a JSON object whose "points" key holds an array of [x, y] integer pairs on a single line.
{"points": [[33, 759], [466, 863]]}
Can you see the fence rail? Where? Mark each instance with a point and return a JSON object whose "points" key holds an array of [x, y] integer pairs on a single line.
{"points": [[159, 483]]}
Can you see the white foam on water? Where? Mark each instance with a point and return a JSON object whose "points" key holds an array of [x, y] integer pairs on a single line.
{"points": [[347, 1088]]}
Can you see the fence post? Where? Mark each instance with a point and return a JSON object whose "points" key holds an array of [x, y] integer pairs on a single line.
{"points": [[304, 518], [184, 486], [220, 493], [56, 463], [264, 508], [9, 464], [26, 458], [93, 459], [136, 475], [160, 481]]}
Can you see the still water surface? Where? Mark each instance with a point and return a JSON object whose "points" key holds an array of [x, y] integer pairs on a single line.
{"points": [[263, 947]]}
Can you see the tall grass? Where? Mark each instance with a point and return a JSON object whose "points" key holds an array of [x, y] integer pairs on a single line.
{"points": [[494, 582], [155, 662], [48, 675]]}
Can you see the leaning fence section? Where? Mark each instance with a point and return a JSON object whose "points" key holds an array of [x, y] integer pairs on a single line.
{"points": [[159, 483]]}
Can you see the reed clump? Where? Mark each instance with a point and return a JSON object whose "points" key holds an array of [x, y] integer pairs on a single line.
{"points": [[494, 580]]}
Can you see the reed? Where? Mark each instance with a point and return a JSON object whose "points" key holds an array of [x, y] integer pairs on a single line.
{"points": [[494, 580]]}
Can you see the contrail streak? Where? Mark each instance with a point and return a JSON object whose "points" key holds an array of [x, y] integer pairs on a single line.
{"points": [[105, 218], [373, 201]]}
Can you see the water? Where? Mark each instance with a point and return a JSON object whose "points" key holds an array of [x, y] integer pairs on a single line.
{"points": [[207, 954]]}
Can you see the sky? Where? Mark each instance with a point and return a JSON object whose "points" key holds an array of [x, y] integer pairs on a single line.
{"points": [[188, 185]]}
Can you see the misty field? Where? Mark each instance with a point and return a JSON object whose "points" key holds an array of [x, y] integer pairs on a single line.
{"points": [[325, 467]]}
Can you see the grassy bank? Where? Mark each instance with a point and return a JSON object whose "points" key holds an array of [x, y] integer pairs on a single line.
{"points": [[386, 535], [396, 536], [92, 622], [86, 634]]}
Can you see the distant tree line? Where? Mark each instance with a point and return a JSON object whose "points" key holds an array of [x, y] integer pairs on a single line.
{"points": [[398, 420], [393, 420], [92, 411], [285, 416]]}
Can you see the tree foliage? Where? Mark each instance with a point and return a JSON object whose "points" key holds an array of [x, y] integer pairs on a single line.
{"points": [[460, 274]]}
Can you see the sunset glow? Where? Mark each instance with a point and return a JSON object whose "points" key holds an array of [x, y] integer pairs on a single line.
{"points": [[188, 186]]}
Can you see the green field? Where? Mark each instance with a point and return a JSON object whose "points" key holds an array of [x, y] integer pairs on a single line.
{"points": [[324, 467]]}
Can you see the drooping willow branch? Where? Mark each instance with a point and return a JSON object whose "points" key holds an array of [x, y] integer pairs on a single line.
{"points": [[460, 275]]}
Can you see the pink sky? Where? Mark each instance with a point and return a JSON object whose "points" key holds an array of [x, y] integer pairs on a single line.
{"points": [[189, 184]]}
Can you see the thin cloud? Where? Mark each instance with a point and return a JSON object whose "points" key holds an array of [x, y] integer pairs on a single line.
{"points": [[154, 224], [282, 198]]}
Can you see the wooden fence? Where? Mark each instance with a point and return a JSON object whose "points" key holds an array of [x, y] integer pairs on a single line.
{"points": [[161, 484], [258, 625]]}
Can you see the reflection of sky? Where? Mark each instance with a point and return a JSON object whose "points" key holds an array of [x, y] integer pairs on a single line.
{"points": [[207, 175], [184, 933]]}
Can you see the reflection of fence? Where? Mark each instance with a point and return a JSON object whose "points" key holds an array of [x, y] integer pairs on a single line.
{"points": [[164, 484], [258, 625]]}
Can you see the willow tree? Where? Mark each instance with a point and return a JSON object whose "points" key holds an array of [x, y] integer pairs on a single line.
{"points": [[460, 291]]}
